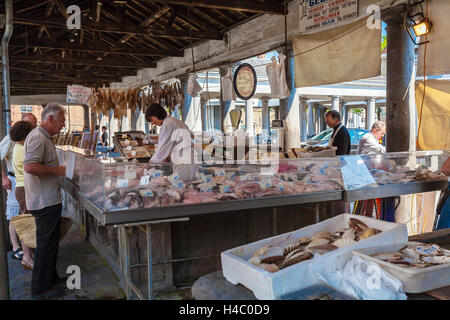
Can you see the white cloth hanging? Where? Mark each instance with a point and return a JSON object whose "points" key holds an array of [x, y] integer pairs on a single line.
{"points": [[194, 87], [226, 84], [277, 78]]}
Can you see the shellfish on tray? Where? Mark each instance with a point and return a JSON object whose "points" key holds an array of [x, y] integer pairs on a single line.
{"points": [[417, 256]]}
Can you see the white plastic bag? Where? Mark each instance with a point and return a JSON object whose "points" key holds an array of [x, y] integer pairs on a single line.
{"points": [[363, 280], [194, 87]]}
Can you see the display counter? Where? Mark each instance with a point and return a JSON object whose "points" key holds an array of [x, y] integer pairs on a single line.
{"points": [[159, 226]]}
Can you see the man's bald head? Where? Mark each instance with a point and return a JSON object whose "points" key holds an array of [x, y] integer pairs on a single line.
{"points": [[29, 117]]}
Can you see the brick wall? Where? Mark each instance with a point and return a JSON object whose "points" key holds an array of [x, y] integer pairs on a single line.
{"points": [[74, 118]]}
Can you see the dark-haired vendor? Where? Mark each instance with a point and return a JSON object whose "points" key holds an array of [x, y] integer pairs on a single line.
{"points": [[174, 144]]}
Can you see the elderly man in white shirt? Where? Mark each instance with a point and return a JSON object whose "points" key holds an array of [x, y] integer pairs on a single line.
{"points": [[369, 142]]}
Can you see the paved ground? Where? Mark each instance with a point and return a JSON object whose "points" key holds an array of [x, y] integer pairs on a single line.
{"points": [[97, 281]]}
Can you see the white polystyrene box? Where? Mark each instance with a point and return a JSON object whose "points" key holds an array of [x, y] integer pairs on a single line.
{"points": [[266, 285], [414, 280]]}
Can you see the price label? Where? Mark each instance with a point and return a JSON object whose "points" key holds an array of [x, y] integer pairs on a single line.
{"points": [[206, 188], [174, 177], [124, 136], [122, 183], [154, 173], [265, 184], [146, 193], [178, 184], [144, 180], [133, 153], [219, 172], [129, 148], [207, 178], [225, 188]]}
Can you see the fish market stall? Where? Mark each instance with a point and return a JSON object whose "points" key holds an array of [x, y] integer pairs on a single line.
{"points": [[158, 229]]}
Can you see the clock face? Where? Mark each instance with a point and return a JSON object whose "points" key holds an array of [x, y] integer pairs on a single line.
{"points": [[244, 81]]}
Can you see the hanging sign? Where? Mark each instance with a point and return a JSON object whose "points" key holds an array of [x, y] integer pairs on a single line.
{"points": [[316, 14], [244, 81], [78, 94]]}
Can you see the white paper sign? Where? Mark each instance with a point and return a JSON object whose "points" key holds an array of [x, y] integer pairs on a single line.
{"points": [[78, 94], [122, 183], [70, 164], [316, 14], [355, 173], [144, 180]]}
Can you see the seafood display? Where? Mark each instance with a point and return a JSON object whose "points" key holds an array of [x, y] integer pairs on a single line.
{"points": [[416, 256], [139, 147], [119, 186], [284, 253], [129, 186]]}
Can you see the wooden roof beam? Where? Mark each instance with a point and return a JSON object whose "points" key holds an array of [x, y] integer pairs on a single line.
{"points": [[113, 28], [81, 61], [100, 49], [240, 5], [148, 21]]}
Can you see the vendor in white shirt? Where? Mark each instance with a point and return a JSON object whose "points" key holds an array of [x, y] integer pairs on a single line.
{"points": [[174, 143], [369, 142]]}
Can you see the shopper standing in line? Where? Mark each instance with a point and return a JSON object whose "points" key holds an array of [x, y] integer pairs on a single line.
{"points": [[9, 184], [18, 133], [43, 198]]}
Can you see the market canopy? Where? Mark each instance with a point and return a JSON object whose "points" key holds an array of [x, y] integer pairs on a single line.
{"points": [[116, 38]]}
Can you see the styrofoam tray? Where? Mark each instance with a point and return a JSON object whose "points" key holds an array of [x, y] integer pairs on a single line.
{"points": [[266, 285], [414, 280]]}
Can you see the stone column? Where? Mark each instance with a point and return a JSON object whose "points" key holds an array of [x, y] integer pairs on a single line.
{"points": [[310, 120], [335, 103], [370, 112], [249, 130], [317, 122], [265, 113], [303, 119], [344, 114], [229, 105], [289, 107]]}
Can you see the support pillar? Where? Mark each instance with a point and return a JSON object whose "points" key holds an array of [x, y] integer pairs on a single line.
{"points": [[344, 114], [249, 129], [310, 120], [303, 119], [335, 103], [400, 65], [317, 122], [265, 113], [323, 124], [370, 112], [229, 105], [289, 107]]}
